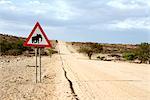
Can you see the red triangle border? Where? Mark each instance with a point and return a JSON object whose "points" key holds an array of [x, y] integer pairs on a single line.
{"points": [[37, 45]]}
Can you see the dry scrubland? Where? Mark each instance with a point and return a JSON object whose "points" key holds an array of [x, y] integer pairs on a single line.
{"points": [[69, 75], [138, 53]]}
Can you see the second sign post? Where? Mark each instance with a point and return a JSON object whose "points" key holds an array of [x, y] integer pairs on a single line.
{"points": [[38, 50]]}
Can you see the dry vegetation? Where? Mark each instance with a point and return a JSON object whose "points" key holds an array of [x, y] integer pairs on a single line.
{"points": [[138, 53], [13, 45]]}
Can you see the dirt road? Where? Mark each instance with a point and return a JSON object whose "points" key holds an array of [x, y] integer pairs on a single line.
{"points": [[71, 76], [100, 80]]}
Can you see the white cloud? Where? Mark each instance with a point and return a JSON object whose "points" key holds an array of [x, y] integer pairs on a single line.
{"points": [[132, 23], [63, 10], [34, 2], [35, 7], [5, 2], [129, 4], [8, 5], [58, 9]]}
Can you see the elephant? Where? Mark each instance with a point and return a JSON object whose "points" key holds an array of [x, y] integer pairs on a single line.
{"points": [[35, 39]]}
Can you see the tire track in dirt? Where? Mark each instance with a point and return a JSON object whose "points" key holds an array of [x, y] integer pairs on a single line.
{"points": [[70, 82]]}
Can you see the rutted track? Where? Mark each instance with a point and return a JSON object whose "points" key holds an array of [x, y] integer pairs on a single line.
{"points": [[70, 82], [71, 86], [100, 80]]}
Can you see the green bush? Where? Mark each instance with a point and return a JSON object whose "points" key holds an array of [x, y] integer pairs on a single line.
{"points": [[143, 52], [129, 56]]}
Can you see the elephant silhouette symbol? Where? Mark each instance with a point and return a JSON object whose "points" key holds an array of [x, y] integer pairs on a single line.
{"points": [[36, 39]]}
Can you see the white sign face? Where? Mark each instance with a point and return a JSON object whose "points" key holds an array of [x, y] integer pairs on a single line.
{"points": [[37, 38]]}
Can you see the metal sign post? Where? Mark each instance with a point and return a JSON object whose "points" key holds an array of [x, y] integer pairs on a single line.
{"points": [[40, 62], [36, 49], [36, 67]]}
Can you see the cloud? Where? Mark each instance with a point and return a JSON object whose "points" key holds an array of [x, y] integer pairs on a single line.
{"points": [[63, 10], [5, 2], [76, 18], [7, 5], [59, 9], [129, 4], [133, 23]]}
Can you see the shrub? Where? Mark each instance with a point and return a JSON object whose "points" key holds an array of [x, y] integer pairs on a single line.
{"points": [[129, 56], [97, 48], [52, 51], [91, 49], [87, 51], [143, 52], [12, 48]]}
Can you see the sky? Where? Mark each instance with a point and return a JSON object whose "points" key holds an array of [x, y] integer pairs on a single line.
{"points": [[103, 21]]}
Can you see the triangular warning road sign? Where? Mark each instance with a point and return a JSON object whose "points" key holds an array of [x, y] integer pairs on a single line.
{"points": [[37, 38]]}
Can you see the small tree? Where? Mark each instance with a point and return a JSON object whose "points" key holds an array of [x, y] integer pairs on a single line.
{"points": [[97, 48], [90, 50], [87, 51]]}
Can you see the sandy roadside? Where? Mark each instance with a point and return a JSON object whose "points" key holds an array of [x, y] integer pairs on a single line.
{"points": [[17, 79]]}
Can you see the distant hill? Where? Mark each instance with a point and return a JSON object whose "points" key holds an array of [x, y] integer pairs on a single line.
{"points": [[10, 38], [12, 45]]}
